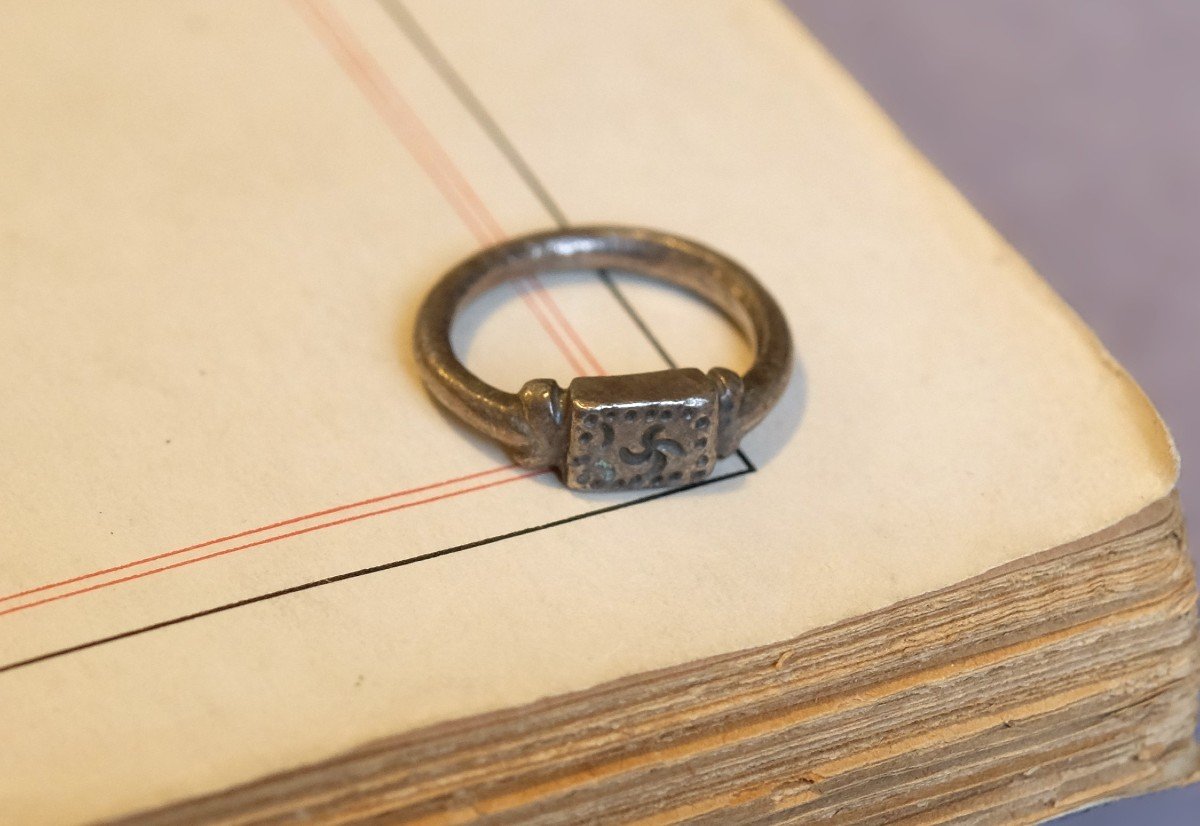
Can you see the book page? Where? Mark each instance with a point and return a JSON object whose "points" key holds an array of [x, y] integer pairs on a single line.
{"points": [[238, 537]]}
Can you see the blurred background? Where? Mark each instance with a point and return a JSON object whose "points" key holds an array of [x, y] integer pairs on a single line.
{"points": [[1074, 127]]}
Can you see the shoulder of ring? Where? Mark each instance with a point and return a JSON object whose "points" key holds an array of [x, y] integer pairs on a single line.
{"points": [[730, 390], [540, 418]]}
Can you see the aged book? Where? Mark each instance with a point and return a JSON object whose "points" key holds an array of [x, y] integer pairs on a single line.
{"points": [[251, 573]]}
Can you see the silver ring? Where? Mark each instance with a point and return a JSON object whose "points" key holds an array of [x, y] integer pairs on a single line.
{"points": [[641, 430]]}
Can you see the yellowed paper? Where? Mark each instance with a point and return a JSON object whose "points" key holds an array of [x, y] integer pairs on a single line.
{"points": [[237, 537]]}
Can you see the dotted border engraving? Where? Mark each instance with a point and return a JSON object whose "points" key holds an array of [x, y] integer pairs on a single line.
{"points": [[637, 447]]}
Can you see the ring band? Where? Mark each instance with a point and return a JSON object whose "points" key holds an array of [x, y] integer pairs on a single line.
{"points": [[612, 432]]}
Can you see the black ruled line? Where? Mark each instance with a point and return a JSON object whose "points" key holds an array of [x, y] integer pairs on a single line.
{"points": [[361, 572], [437, 61], [444, 69]]}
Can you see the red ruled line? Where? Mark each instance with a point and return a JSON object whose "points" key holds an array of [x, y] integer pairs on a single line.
{"points": [[250, 532], [404, 123], [336, 35], [268, 540], [557, 312], [523, 289]]}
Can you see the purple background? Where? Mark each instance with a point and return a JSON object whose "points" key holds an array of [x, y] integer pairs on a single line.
{"points": [[1074, 127]]}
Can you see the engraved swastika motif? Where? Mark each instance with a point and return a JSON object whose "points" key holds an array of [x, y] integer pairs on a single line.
{"points": [[655, 450], [640, 431]]}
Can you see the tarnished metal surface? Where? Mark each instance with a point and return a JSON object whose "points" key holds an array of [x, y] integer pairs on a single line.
{"points": [[643, 430], [612, 432]]}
